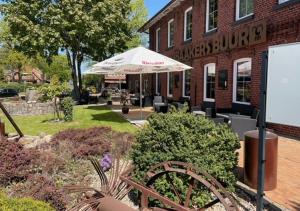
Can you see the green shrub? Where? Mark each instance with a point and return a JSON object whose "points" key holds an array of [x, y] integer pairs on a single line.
{"points": [[22, 204], [67, 105], [19, 87], [180, 136]]}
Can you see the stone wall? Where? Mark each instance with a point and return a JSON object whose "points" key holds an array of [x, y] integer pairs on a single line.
{"points": [[32, 108]]}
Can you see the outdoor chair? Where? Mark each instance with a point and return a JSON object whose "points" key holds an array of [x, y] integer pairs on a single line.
{"points": [[241, 125], [210, 112], [159, 104]]}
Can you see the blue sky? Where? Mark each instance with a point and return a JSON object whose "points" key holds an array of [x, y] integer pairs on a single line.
{"points": [[154, 6]]}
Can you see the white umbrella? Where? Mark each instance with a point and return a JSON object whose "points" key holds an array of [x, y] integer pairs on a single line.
{"points": [[138, 60]]}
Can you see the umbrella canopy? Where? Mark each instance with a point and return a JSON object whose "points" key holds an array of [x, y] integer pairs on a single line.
{"points": [[138, 60]]}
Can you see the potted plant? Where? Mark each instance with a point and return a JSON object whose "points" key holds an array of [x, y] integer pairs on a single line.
{"points": [[124, 100], [109, 100]]}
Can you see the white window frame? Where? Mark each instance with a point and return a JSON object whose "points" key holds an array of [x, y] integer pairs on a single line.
{"points": [[157, 40], [282, 1], [237, 14], [183, 84], [207, 18], [205, 81], [169, 33], [168, 87], [185, 23], [235, 79], [156, 83]]}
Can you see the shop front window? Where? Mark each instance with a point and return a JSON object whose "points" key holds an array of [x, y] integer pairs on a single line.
{"points": [[242, 81], [187, 83], [209, 82]]}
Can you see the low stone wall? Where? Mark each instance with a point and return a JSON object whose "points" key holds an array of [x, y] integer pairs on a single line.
{"points": [[32, 108]]}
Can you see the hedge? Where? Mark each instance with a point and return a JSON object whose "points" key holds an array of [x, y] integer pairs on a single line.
{"points": [[19, 87]]}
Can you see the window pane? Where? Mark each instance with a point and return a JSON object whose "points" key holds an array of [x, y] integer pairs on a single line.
{"points": [[212, 14], [187, 83], [210, 81], [243, 86], [171, 34], [189, 25], [246, 8]]}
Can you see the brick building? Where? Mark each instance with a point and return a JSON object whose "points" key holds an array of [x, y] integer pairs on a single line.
{"points": [[223, 41]]}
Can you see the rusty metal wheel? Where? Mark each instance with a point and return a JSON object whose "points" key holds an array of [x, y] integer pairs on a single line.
{"points": [[195, 177]]}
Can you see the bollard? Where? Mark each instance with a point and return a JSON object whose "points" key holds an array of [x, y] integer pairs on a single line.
{"points": [[251, 160]]}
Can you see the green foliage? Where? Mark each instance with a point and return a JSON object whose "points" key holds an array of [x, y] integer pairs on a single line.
{"points": [[92, 80], [181, 136], [53, 91], [59, 66], [86, 28], [19, 87], [137, 18], [23, 204], [67, 105]]}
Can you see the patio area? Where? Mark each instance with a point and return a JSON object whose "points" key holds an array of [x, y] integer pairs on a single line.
{"points": [[287, 193]]}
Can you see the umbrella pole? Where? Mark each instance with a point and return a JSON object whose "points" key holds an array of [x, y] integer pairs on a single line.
{"points": [[141, 97]]}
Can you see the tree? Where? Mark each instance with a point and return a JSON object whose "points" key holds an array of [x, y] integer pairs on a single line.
{"points": [[53, 91], [87, 28], [137, 18], [14, 62], [59, 67]]}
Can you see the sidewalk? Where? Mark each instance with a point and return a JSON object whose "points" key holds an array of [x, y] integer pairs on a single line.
{"points": [[287, 192]]}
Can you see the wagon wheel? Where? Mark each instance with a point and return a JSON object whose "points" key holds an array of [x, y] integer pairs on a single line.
{"points": [[196, 176]]}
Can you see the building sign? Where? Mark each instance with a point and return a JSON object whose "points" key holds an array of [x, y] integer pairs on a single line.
{"points": [[246, 36]]}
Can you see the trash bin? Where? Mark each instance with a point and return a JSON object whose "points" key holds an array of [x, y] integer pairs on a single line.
{"points": [[251, 160]]}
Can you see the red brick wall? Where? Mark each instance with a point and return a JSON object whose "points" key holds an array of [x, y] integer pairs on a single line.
{"points": [[280, 28]]}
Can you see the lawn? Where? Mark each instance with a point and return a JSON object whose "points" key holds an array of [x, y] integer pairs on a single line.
{"points": [[84, 117]]}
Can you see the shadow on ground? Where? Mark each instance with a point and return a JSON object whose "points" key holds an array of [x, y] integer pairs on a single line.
{"points": [[295, 205], [107, 116]]}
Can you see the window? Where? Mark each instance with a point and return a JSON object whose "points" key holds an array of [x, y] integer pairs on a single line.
{"points": [[282, 1], [157, 84], [157, 46], [209, 82], [187, 83], [188, 22], [171, 33], [242, 81], [211, 15], [244, 8], [170, 84]]}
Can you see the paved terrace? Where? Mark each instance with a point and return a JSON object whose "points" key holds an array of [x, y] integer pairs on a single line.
{"points": [[287, 193]]}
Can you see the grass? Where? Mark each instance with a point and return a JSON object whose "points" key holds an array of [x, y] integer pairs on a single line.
{"points": [[84, 117]]}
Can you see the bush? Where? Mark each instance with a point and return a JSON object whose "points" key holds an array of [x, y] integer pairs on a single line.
{"points": [[41, 188], [67, 106], [23, 204], [19, 87], [180, 136], [16, 162], [85, 142]]}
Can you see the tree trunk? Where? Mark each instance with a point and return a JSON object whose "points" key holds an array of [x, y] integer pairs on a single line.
{"points": [[72, 64], [79, 61]]}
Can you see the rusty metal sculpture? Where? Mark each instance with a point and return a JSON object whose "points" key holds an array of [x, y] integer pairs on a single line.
{"points": [[121, 182]]}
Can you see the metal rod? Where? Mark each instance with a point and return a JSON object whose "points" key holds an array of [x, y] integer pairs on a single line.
{"points": [[11, 120], [262, 134], [141, 96]]}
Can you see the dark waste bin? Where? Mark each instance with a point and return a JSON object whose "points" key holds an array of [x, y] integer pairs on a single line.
{"points": [[251, 159]]}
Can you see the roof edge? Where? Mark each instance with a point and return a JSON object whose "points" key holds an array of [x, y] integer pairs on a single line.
{"points": [[153, 20]]}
